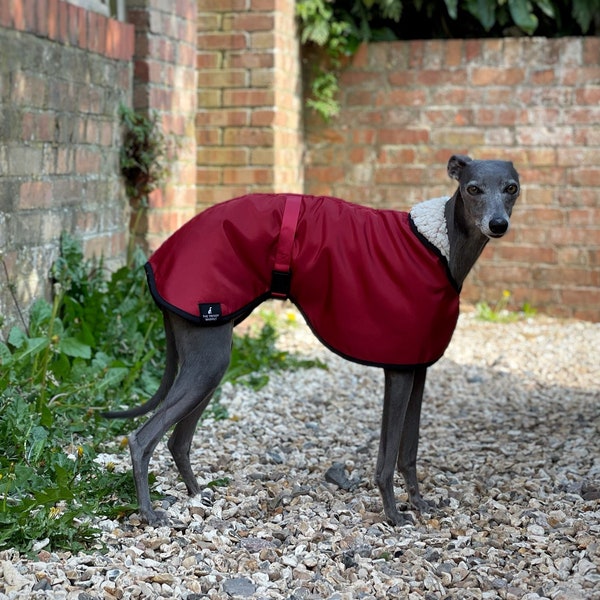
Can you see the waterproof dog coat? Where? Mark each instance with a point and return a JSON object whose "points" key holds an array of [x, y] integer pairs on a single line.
{"points": [[368, 282]]}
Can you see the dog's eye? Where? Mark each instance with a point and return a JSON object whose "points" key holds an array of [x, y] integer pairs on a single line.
{"points": [[511, 189], [473, 190]]}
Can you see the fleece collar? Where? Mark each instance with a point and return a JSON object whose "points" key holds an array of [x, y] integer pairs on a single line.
{"points": [[430, 220]]}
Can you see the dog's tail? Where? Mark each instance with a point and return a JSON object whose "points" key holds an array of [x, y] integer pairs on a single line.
{"points": [[165, 385], [138, 411]]}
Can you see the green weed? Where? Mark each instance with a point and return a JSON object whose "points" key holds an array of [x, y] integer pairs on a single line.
{"points": [[499, 312], [98, 344]]}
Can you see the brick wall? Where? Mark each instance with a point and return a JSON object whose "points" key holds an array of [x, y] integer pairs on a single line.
{"points": [[165, 83], [249, 120], [63, 73], [407, 106]]}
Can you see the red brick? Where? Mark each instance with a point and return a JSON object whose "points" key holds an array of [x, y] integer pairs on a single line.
{"points": [[222, 41], [52, 17], [359, 98], [211, 6], [472, 50], [230, 78], [542, 77], [217, 117], [524, 254], [84, 28], [431, 77], [208, 137], [588, 95], [248, 21], [361, 57], [328, 174], [35, 194], [41, 18], [591, 50], [208, 60], [403, 136], [400, 175], [265, 5], [401, 98], [453, 55], [248, 97], [251, 59], [74, 13], [248, 175], [497, 76], [6, 15], [87, 161], [18, 15], [29, 14], [584, 176], [63, 22], [222, 156]]}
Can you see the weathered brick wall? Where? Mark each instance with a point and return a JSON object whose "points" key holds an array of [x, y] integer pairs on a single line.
{"points": [[63, 73], [407, 106], [249, 119], [165, 82]]}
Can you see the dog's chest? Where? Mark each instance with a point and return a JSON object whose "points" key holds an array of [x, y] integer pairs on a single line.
{"points": [[368, 286]]}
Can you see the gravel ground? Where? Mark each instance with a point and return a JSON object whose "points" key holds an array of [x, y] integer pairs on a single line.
{"points": [[509, 449]]}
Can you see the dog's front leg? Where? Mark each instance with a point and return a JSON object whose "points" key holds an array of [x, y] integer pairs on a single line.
{"points": [[409, 443], [398, 390]]}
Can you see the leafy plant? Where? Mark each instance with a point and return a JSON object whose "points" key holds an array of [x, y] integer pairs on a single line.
{"points": [[143, 161], [143, 152], [99, 340], [499, 313], [338, 27]]}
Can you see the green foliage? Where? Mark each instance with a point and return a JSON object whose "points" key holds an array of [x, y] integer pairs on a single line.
{"points": [[143, 161], [143, 153], [100, 342], [499, 313], [255, 354], [338, 27]]}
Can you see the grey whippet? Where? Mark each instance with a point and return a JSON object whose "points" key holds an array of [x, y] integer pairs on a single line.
{"points": [[197, 357]]}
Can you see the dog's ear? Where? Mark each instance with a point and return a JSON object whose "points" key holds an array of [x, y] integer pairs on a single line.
{"points": [[456, 164]]}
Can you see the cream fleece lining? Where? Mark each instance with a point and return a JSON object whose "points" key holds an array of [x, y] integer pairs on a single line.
{"points": [[430, 220]]}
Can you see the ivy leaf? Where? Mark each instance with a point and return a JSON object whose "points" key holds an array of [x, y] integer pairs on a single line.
{"points": [[484, 11], [452, 8], [547, 7], [583, 12], [520, 11]]}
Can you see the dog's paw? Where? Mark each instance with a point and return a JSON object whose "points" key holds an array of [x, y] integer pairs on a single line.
{"points": [[154, 518], [398, 519], [422, 506]]}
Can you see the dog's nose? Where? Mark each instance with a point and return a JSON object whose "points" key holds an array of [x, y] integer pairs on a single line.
{"points": [[498, 226]]}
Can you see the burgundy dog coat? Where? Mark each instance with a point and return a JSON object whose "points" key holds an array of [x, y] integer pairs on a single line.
{"points": [[371, 287]]}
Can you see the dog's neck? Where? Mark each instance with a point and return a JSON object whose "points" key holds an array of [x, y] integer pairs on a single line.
{"points": [[429, 218]]}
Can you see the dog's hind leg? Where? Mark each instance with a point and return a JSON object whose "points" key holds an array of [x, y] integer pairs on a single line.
{"points": [[398, 390], [180, 444], [409, 443], [204, 354]]}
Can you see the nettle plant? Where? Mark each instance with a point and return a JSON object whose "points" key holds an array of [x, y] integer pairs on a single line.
{"points": [[338, 27], [98, 343]]}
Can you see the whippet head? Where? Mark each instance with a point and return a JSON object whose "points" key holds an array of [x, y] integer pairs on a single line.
{"points": [[489, 190]]}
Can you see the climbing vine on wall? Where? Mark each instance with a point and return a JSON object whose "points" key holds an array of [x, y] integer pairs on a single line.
{"points": [[143, 161]]}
